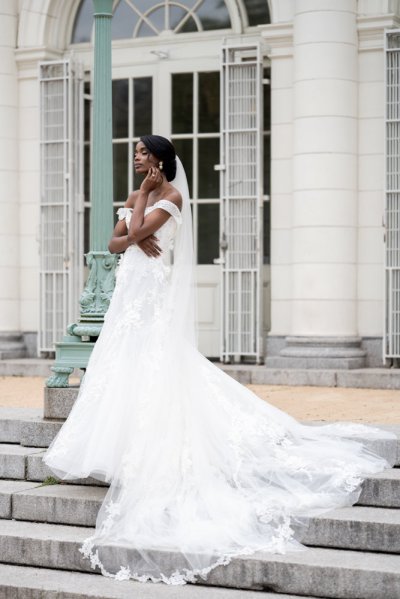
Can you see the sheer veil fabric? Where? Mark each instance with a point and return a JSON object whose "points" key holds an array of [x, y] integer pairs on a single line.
{"points": [[200, 469]]}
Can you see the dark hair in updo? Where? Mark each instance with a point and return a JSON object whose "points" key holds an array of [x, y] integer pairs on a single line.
{"points": [[163, 149]]}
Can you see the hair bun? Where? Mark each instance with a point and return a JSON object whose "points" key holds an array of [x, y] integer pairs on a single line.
{"points": [[163, 149]]}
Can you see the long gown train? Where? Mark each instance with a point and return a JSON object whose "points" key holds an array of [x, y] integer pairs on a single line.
{"points": [[200, 469]]}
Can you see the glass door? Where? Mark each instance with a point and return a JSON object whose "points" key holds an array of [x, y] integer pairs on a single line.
{"points": [[195, 132], [184, 106]]}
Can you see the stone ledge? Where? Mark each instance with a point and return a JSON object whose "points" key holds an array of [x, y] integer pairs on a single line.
{"points": [[322, 572]]}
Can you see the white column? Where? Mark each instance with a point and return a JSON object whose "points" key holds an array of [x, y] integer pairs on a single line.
{"points": [[324, 233], [9, 209]]}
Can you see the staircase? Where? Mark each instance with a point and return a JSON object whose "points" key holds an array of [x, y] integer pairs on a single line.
{"points": [[354, 553]]}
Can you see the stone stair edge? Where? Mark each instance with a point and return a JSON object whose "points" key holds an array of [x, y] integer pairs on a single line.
{"points": [[359, 528], [369, 377], [341, 574], [17, 581]]}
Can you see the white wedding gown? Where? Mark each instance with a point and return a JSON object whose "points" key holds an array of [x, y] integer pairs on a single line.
{"points": [[200, 468]]}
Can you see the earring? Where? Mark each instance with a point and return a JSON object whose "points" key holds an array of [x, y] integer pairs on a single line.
{"points": [[160, 165]]}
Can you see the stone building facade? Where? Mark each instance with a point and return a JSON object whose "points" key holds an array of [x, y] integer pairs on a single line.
{"points": [[324, 162]]}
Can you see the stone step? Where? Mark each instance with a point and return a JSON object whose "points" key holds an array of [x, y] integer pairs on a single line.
{"points": [[366, 378], [39, 432], [328, 573], [60, 504], [13, 460], [26, 367], [37, 470], [8, 490], [11, 420], [18, 462], [379, 490], [21, 582], [356, 528]]}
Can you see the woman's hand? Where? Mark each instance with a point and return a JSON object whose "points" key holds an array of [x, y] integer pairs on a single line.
{"points": [[152, 180], [149, 246]]}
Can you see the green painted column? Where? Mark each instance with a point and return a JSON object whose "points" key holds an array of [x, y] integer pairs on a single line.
{"points": [[101, 216], [75, 348]]}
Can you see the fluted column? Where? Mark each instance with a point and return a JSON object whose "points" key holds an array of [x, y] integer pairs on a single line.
{"points": [[101, 215]]}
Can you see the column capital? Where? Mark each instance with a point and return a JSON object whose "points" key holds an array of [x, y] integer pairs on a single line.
{"points": [[102, 8]]}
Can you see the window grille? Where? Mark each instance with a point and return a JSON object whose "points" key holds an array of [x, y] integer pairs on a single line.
{"points": [[61, 198], [392, 196], [241, 202]]}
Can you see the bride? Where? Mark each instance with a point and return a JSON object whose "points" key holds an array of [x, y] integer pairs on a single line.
{"points": [[200, 469]]}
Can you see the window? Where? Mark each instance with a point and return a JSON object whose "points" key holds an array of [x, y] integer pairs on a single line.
{"points": [[146, 18], [132, 104], [195, 134], [257, 12], [141, 18]]}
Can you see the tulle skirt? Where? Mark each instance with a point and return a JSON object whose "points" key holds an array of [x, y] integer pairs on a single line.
{"points": [[200, 469]]}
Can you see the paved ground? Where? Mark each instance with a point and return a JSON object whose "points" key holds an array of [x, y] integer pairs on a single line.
{"points": [[304, 403]]}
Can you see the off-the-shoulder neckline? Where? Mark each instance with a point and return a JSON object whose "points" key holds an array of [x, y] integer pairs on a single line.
{"points": [[151, 205]]}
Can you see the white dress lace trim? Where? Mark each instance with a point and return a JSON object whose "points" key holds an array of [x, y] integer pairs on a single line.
{"points": [[167, 205]]}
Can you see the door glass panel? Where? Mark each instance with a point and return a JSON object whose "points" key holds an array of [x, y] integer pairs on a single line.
{"points": [[142, 106], [209, 102], [184, 149], [207, 233], [267, 236], [86, 175], [87, 109], [120, 178], [120, 108], [208, 177], [182, 103], [86, 229]]}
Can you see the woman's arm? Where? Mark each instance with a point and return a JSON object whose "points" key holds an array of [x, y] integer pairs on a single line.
{"points": [[119, 240], [140, 226]]}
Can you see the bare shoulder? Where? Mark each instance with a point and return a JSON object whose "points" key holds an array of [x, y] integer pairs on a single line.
{"points": [[130, 202], [175, 197]]}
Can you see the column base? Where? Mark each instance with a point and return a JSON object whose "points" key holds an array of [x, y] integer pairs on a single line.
{"points": [[319, 352]]}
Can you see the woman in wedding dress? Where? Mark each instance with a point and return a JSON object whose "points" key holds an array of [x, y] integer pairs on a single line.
{"points": [[200, 469]]}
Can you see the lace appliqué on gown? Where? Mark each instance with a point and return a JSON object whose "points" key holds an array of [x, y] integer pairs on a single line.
{"points": [[200, 468]]}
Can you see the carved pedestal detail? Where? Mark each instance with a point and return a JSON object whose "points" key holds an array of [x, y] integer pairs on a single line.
{"points": [[76, 347]]}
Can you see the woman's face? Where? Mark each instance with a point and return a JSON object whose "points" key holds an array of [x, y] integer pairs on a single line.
{"points": [[143, 159]]}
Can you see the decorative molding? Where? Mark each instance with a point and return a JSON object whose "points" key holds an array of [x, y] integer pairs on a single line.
{"points": [[27, 60], [100, 284], [279, 39], [371, 30]]}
